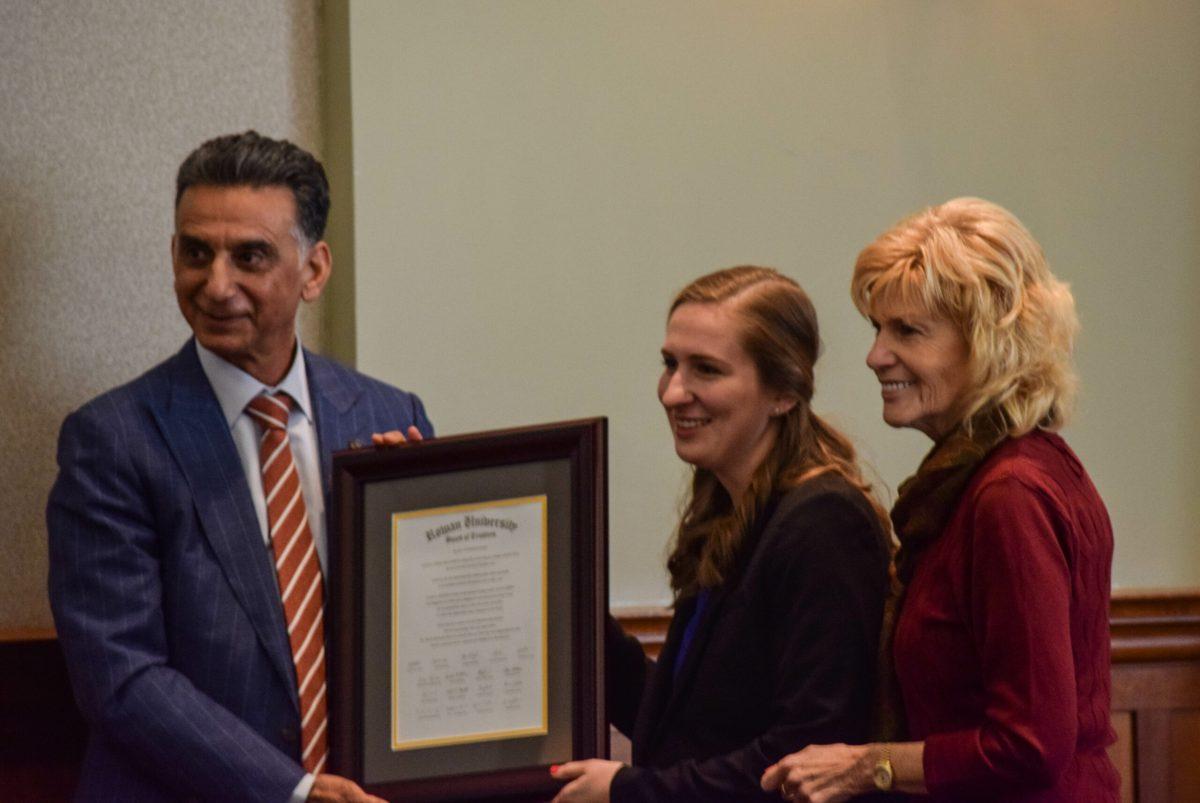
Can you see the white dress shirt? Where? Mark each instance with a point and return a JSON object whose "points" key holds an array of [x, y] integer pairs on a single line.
{"points": [[234, 389]]}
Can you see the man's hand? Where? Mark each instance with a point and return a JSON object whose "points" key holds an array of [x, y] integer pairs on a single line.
{"points": [[395, 437], [336, 789], [589, 780]]}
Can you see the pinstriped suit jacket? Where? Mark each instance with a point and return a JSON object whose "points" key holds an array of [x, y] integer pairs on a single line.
{"points": [[163, 592]]}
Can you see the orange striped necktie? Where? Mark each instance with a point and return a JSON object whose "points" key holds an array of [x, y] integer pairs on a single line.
{"points": [[297, 569]]}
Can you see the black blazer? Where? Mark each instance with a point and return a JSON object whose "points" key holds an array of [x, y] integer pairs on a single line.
{"points": [[783, 657]]}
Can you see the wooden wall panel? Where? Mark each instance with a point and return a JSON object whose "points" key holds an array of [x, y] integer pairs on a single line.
{"points": [[41, 731], [1156, 701], [1121, 753], [1184, 756], [1156, 685]]}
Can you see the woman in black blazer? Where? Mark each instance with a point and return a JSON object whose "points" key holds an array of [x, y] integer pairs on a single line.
{"points": [[779, 565]]}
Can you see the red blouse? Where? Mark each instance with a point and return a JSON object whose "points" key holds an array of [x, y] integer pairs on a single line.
{"points": [[1002, 644]]}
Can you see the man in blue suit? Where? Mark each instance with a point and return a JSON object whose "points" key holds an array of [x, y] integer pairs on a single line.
{"points": [[163, 581]]}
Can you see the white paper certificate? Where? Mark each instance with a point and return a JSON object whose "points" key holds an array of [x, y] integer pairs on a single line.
{"points": [[469, 623]]}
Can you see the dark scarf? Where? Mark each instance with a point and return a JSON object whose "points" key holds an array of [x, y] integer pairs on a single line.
{"points": [[926, 502]]}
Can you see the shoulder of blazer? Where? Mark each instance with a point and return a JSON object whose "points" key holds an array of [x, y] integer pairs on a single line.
{"points": [[361, 398], [343, 386], [826, 498], [152, 390], [829, 488], [339, 385]]}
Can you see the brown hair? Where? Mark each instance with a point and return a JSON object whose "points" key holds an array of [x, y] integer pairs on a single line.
{"points": [[778, 330]]}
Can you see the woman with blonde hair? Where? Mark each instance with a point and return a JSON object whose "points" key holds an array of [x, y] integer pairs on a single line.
{"points": [[779, 565], [998, 625]]}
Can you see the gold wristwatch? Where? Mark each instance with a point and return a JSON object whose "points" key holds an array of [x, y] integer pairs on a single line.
{"points": [[883, 776]]}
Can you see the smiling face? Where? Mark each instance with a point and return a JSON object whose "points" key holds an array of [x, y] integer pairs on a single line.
{"points": [[921, 361], [721, 415], [241, 272]]}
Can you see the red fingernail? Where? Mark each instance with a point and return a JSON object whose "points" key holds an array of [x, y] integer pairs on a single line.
{"points": [[554, 768]]}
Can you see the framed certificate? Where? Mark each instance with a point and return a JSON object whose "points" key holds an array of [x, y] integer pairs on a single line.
{"points": [[468, 594]]}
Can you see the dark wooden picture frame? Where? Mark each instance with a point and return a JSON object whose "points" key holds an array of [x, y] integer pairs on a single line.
{"points": [[577, 447]]}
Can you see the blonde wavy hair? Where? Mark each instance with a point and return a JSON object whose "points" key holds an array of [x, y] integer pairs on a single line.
{"points": [[777, 327], [974, 263]]}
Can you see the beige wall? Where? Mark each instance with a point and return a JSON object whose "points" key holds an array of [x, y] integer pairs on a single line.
{"points": [[99, 102], [533, 180]]}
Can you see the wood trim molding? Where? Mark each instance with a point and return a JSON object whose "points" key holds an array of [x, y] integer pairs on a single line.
{"points": [[27, 634], [1147, 625], [647, 623], [1155, 625]]}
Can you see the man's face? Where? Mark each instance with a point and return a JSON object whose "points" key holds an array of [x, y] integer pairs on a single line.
{"points": [[241, 272]]}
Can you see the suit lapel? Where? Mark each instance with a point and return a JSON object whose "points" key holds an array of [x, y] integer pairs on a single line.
{"points": [[676, 686], [198, 435], [334, 393], [669, 688], [649, 723], [704, 628]]}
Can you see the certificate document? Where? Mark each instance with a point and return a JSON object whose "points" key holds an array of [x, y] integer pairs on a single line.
{"points": [[469, 623]]}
